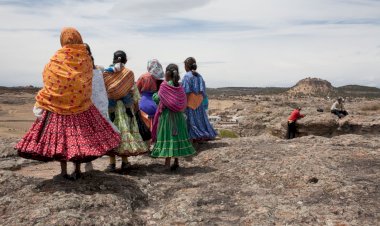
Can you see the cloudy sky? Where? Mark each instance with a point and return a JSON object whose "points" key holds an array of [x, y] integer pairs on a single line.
{"points": [[236, 43]]}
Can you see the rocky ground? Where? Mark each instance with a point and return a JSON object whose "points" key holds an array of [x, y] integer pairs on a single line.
{"points": [[257, 179], [255, 115], [247, 181]]}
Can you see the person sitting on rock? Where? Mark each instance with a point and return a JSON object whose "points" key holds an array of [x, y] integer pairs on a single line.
{"points": [[292, 122], [338, 108]]}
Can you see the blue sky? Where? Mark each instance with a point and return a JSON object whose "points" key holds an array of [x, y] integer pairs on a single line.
{"points": [[237, 43]]}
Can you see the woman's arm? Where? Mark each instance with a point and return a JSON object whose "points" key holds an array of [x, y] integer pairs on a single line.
{"points": [[156, 98], [186, 84]]}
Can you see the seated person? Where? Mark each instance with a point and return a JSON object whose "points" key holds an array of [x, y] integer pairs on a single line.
{"points": [[338, 108]]}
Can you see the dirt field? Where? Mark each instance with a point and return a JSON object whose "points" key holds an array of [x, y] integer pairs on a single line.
{"points": [[16, 114]]}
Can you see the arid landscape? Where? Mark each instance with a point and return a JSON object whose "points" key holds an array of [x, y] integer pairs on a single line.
{"points": [[250, 175]]}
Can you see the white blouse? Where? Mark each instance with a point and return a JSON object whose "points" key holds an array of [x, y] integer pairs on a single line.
{"points": [[99, 95]]}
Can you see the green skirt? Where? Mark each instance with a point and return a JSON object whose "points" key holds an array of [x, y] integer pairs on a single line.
{"points": [[132, 143], [172, 136]]}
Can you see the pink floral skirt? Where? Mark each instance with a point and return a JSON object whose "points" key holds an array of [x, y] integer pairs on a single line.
{"points": [[79, 138]]}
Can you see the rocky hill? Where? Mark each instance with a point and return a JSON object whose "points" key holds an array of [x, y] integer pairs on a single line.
{"points": [[313, 87], [359, 91], [19, 89]]}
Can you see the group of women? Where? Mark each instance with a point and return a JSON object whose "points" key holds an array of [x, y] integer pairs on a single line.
{"points": [[86, 111]]}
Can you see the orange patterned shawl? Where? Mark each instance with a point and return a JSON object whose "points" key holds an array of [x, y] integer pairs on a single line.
{"points": [[67, 77], [119, 84]]}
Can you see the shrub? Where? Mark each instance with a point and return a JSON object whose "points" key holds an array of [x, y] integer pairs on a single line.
{"points": [[223, 133]]}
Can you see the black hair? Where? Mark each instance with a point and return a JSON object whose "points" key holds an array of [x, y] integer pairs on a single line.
{"points": [[172, 71], [191, 64], [119, 57], [90, 53]]}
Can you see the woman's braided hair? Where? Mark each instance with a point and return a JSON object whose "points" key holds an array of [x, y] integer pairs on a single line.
{"points": [[172, 71]]}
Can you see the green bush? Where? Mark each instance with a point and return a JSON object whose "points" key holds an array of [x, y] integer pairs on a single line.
{"points": [[223, 133]]}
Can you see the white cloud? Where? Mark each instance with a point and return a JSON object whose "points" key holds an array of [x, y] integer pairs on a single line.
{"points": [[237, 43]]}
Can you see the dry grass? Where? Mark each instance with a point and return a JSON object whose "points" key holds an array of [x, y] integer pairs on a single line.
{"points": [[371, 107]]}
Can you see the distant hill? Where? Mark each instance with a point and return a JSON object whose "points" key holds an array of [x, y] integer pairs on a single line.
{"points": [[244, 91], [19, 89], [359, 91], [313, 87], [305, 87], [323, 88]]}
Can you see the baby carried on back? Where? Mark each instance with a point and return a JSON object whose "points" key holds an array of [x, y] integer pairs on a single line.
{"points": [[119, 82]]}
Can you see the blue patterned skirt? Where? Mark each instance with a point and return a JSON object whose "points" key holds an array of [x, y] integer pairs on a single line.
{"points": [[198, 124]]}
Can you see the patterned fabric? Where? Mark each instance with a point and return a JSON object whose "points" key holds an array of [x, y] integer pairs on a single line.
{"points": [[155, 69], [172, 136], [99, 96], [197, 121], [131, 141], [147, 86], [119, 84], [194, 84], [70, 36], [81, 137], [67, 80], [169, 144], [171, 97], [147, 83], [146, 119]]}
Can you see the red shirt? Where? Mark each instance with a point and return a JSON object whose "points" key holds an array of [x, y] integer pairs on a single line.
{"points": [[295, 115]]}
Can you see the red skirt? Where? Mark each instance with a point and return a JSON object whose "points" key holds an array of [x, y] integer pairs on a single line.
{"points": [[79, 138]]}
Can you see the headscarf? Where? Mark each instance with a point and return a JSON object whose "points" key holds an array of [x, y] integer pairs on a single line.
{"points": [[171, 97], [67, 77], [119, 84], [70, 36], [147, 83], [155, 69]]}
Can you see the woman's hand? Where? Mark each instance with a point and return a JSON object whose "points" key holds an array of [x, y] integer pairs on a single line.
{"points": [[38, 112]]}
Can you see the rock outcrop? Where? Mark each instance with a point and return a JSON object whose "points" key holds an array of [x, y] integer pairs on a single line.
{"points": [[313, 87]]}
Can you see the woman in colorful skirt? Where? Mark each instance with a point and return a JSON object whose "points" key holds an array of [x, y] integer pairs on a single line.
{"points": [[148, 84], [68, 126], [124, 98], [169, 128], [198, 124]]}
